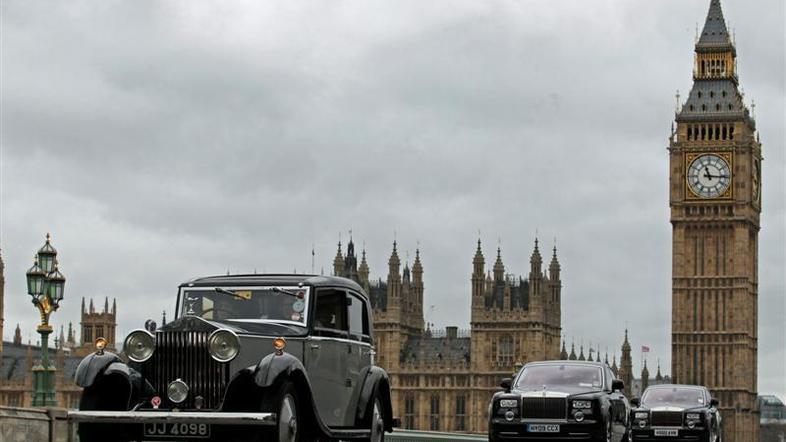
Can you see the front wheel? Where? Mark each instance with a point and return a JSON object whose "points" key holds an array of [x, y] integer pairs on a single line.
{"points": [[377, 423], [289, 423]]}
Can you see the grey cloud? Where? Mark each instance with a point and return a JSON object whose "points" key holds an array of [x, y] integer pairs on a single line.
{"points": [[184, 139]]}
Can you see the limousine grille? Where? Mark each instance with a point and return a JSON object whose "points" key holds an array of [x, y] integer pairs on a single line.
{"points": [[666, 418], [184, 355], [544, 408]]}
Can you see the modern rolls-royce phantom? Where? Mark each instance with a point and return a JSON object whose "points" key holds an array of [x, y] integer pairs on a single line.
{"points": [[676, 413], [560, 400]]}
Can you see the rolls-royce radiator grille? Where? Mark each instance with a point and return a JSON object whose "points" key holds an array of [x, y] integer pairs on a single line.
{"points": [[184, 355], [544, 408], [666, 418]]}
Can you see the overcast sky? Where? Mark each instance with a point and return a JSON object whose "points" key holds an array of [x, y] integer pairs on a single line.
{"points": [[159, 141]]}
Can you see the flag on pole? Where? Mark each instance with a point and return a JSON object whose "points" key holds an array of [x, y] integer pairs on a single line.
{"points": [[645, 349]]}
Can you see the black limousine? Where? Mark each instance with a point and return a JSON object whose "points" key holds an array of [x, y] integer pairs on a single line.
{"points": [[560, 400], [676, 413]]}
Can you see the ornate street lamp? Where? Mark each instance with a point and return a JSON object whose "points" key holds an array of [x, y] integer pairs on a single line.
{"points": [[45, 284]]}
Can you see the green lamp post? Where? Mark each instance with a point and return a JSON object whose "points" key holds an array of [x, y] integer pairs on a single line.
{"points": [[45, 285]]}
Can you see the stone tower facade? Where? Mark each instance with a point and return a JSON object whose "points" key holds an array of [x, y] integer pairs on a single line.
{"points": [[96, 325], [2, 301], [443, 379], [715, 200], [625, 372]]}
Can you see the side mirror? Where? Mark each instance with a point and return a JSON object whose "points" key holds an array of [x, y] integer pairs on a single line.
{"points": [[636, 402], [617, 384], [714, 402], [505, 384]]}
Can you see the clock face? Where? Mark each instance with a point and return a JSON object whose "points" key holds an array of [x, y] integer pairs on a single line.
{"points": [[709, 176]]}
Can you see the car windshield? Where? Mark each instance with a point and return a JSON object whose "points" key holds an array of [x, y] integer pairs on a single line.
{"points": [[680, 397], [267, 304], [538, 376]]}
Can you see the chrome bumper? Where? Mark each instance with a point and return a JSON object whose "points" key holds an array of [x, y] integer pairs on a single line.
{"points": [[167, 417]]}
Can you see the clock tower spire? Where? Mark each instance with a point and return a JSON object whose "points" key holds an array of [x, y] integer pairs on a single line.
{"points": [[715, 200]]}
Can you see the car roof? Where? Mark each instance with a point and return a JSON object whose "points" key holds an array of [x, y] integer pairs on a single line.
{"points": [[682, 386], [274, 279], [568, 362]]}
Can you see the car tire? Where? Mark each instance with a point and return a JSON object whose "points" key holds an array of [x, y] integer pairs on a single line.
{"points": [[290, 426], [609, 430], [376, 422]]}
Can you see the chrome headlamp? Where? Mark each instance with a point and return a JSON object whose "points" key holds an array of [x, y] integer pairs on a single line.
{"points": [[508, 403], [582, 405], [223, 345], [642, 415], [139, 345]]}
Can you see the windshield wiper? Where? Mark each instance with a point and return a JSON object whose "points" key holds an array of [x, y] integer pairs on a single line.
{"points": [[286, 292], [224, 291]]}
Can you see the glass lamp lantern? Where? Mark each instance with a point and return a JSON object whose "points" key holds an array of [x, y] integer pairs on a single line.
{"points": [[35, 280], [47, 255], [56, 285]]}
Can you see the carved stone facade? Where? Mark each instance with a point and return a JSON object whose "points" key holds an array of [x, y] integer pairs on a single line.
{"points": [[443, 380], [715, 192]]}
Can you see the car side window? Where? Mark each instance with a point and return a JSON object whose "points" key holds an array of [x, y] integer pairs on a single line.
{"points": [[330, 316], [358, 318]]}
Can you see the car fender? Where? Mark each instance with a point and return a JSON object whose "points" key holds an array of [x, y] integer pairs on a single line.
{"points": [[93, 365], [272, 366], [376, 381]]}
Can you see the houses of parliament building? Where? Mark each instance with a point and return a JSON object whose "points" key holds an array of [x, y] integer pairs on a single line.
{"points": [[443, 380]]}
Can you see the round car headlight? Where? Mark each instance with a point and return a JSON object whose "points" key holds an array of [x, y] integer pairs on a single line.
{"points": [[509, 415], [177, 391], [642, 424], [579, 416], [691, 424], [223, 345], [139, 345]]}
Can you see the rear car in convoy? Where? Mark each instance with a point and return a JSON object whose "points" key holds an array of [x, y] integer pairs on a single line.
{"points": [[248, 358], [676, 413], [560, 400]]}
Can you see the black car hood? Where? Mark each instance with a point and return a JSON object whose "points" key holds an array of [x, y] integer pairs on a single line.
{"points": [[558, 391], [194, 323], [682, 408]]}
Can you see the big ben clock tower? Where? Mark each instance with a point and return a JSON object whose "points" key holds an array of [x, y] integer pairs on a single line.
{"points": [[715, 200]]}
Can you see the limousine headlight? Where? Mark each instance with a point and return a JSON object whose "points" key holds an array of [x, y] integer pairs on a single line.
{"points": [[693, 416], [582, 404], [642, 415], [139, 345], [223, 345], [508, 403]]}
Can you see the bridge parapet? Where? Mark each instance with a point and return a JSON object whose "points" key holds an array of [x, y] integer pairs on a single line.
{"points": [[431, 436]]}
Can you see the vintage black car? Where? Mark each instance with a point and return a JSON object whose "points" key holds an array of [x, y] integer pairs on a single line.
{"points": [[676, 413], [560, 400], [248, 358]]}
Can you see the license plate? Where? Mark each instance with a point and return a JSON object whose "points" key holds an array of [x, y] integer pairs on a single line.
{"points": [[667, 432], [190, 431], [540, 428]]}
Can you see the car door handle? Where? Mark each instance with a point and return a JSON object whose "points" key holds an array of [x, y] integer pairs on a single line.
{"points": [[314, 346]]}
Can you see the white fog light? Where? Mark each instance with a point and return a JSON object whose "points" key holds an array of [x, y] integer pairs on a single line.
{"points": [[223, 345], [509, 415], [691, 424], [139, 345], [579, 416], [177, 391], [642, 424]]}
